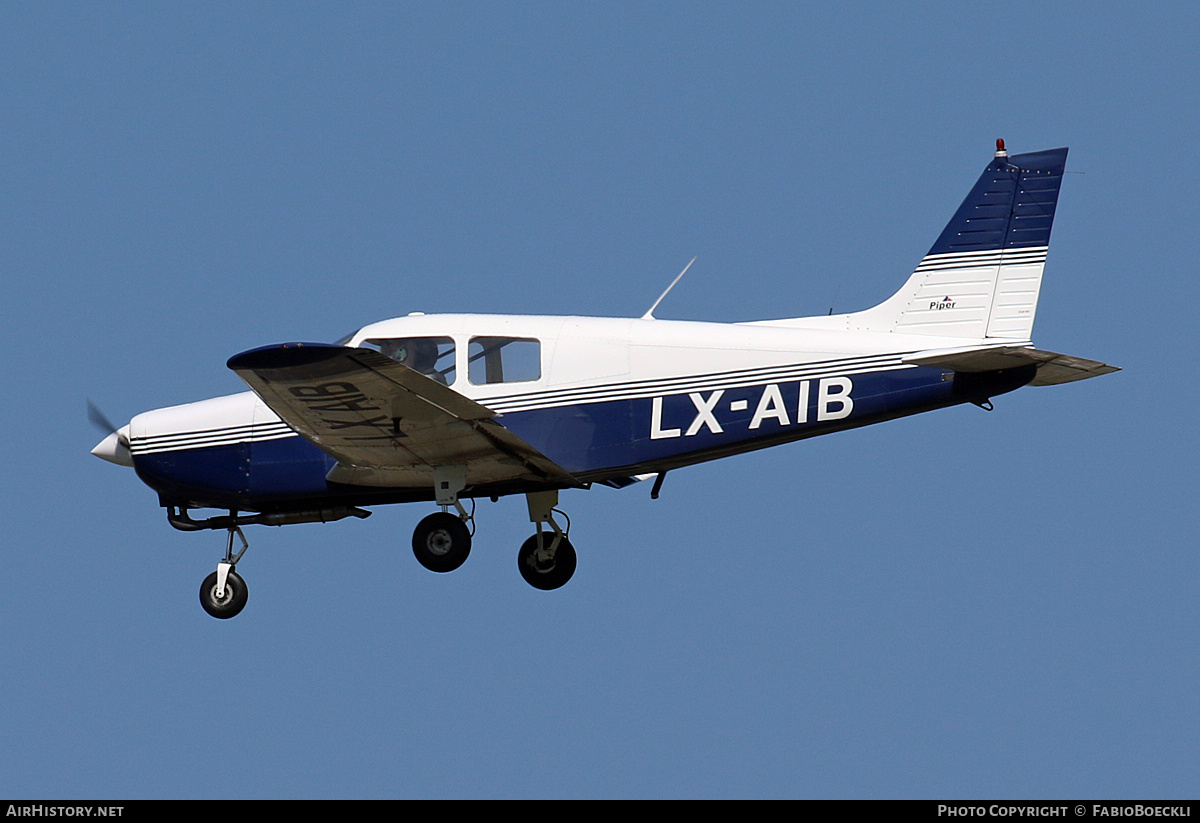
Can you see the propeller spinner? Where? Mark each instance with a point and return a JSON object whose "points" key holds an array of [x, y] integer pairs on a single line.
{"points": [[115, 447]]}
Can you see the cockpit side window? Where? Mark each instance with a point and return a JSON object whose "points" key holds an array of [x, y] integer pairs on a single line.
{"points": [[431, 356], [503, 360]]}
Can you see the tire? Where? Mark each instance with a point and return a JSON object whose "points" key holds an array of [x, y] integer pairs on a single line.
{"points": [[553, 575], [234, 600], [441, 542]]}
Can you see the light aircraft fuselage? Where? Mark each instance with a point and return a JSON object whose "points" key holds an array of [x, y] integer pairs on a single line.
{"points": [[616, 398]]}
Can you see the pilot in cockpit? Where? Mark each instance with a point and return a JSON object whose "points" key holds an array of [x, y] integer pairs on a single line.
{"points": [[419, 354]]}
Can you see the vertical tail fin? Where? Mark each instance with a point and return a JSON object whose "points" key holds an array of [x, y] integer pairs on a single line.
{"points": [[982, 276]]}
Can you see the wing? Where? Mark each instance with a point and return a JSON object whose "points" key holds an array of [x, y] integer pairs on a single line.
{"points": [[386, 424], [1053, 368]]}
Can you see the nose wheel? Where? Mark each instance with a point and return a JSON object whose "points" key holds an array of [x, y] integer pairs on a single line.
{"points": [[223, 593], [223, 599]]}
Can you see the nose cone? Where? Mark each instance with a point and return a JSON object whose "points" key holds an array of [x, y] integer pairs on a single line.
{"points": [[115, 448]]}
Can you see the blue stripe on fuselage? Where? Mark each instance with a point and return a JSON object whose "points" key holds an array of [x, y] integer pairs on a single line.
{"points": [[588, 438]]}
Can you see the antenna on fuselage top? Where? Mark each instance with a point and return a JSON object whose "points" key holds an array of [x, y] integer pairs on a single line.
{"points": [[649, 315]]}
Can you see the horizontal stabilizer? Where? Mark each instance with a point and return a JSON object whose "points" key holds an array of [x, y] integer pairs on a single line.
{"points": [[1053, 368]]}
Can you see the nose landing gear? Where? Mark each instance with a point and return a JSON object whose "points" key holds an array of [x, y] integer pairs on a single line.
{"points": [[223, 593], [223, 599]]}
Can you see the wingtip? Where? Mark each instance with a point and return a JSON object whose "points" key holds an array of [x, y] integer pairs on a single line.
{"points": [[281, 355]]}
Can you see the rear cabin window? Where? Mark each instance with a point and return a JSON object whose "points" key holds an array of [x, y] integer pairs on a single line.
{"points": [[503, 360], [431, 356]]}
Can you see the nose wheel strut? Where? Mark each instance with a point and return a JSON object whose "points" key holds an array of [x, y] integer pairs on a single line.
{"points": [[223, 593]]}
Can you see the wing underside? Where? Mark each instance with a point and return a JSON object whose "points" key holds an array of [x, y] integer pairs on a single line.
{"points": [[386, 424]]}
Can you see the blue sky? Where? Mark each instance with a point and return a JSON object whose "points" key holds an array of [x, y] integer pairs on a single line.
{"points": [[955, 605]]}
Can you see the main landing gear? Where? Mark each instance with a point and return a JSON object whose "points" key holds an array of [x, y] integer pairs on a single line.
{"points": [[442, 541], [546, 560]]}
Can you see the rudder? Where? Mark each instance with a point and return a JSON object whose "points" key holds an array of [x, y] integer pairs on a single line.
{"points": [[982, 277]]}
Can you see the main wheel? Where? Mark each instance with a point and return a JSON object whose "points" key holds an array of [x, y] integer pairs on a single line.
{"points": [[233, 601], [551, 575], [441, 542]]}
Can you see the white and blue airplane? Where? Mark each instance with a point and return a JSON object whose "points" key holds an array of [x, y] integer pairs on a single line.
{"points": [[447, 408]]}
